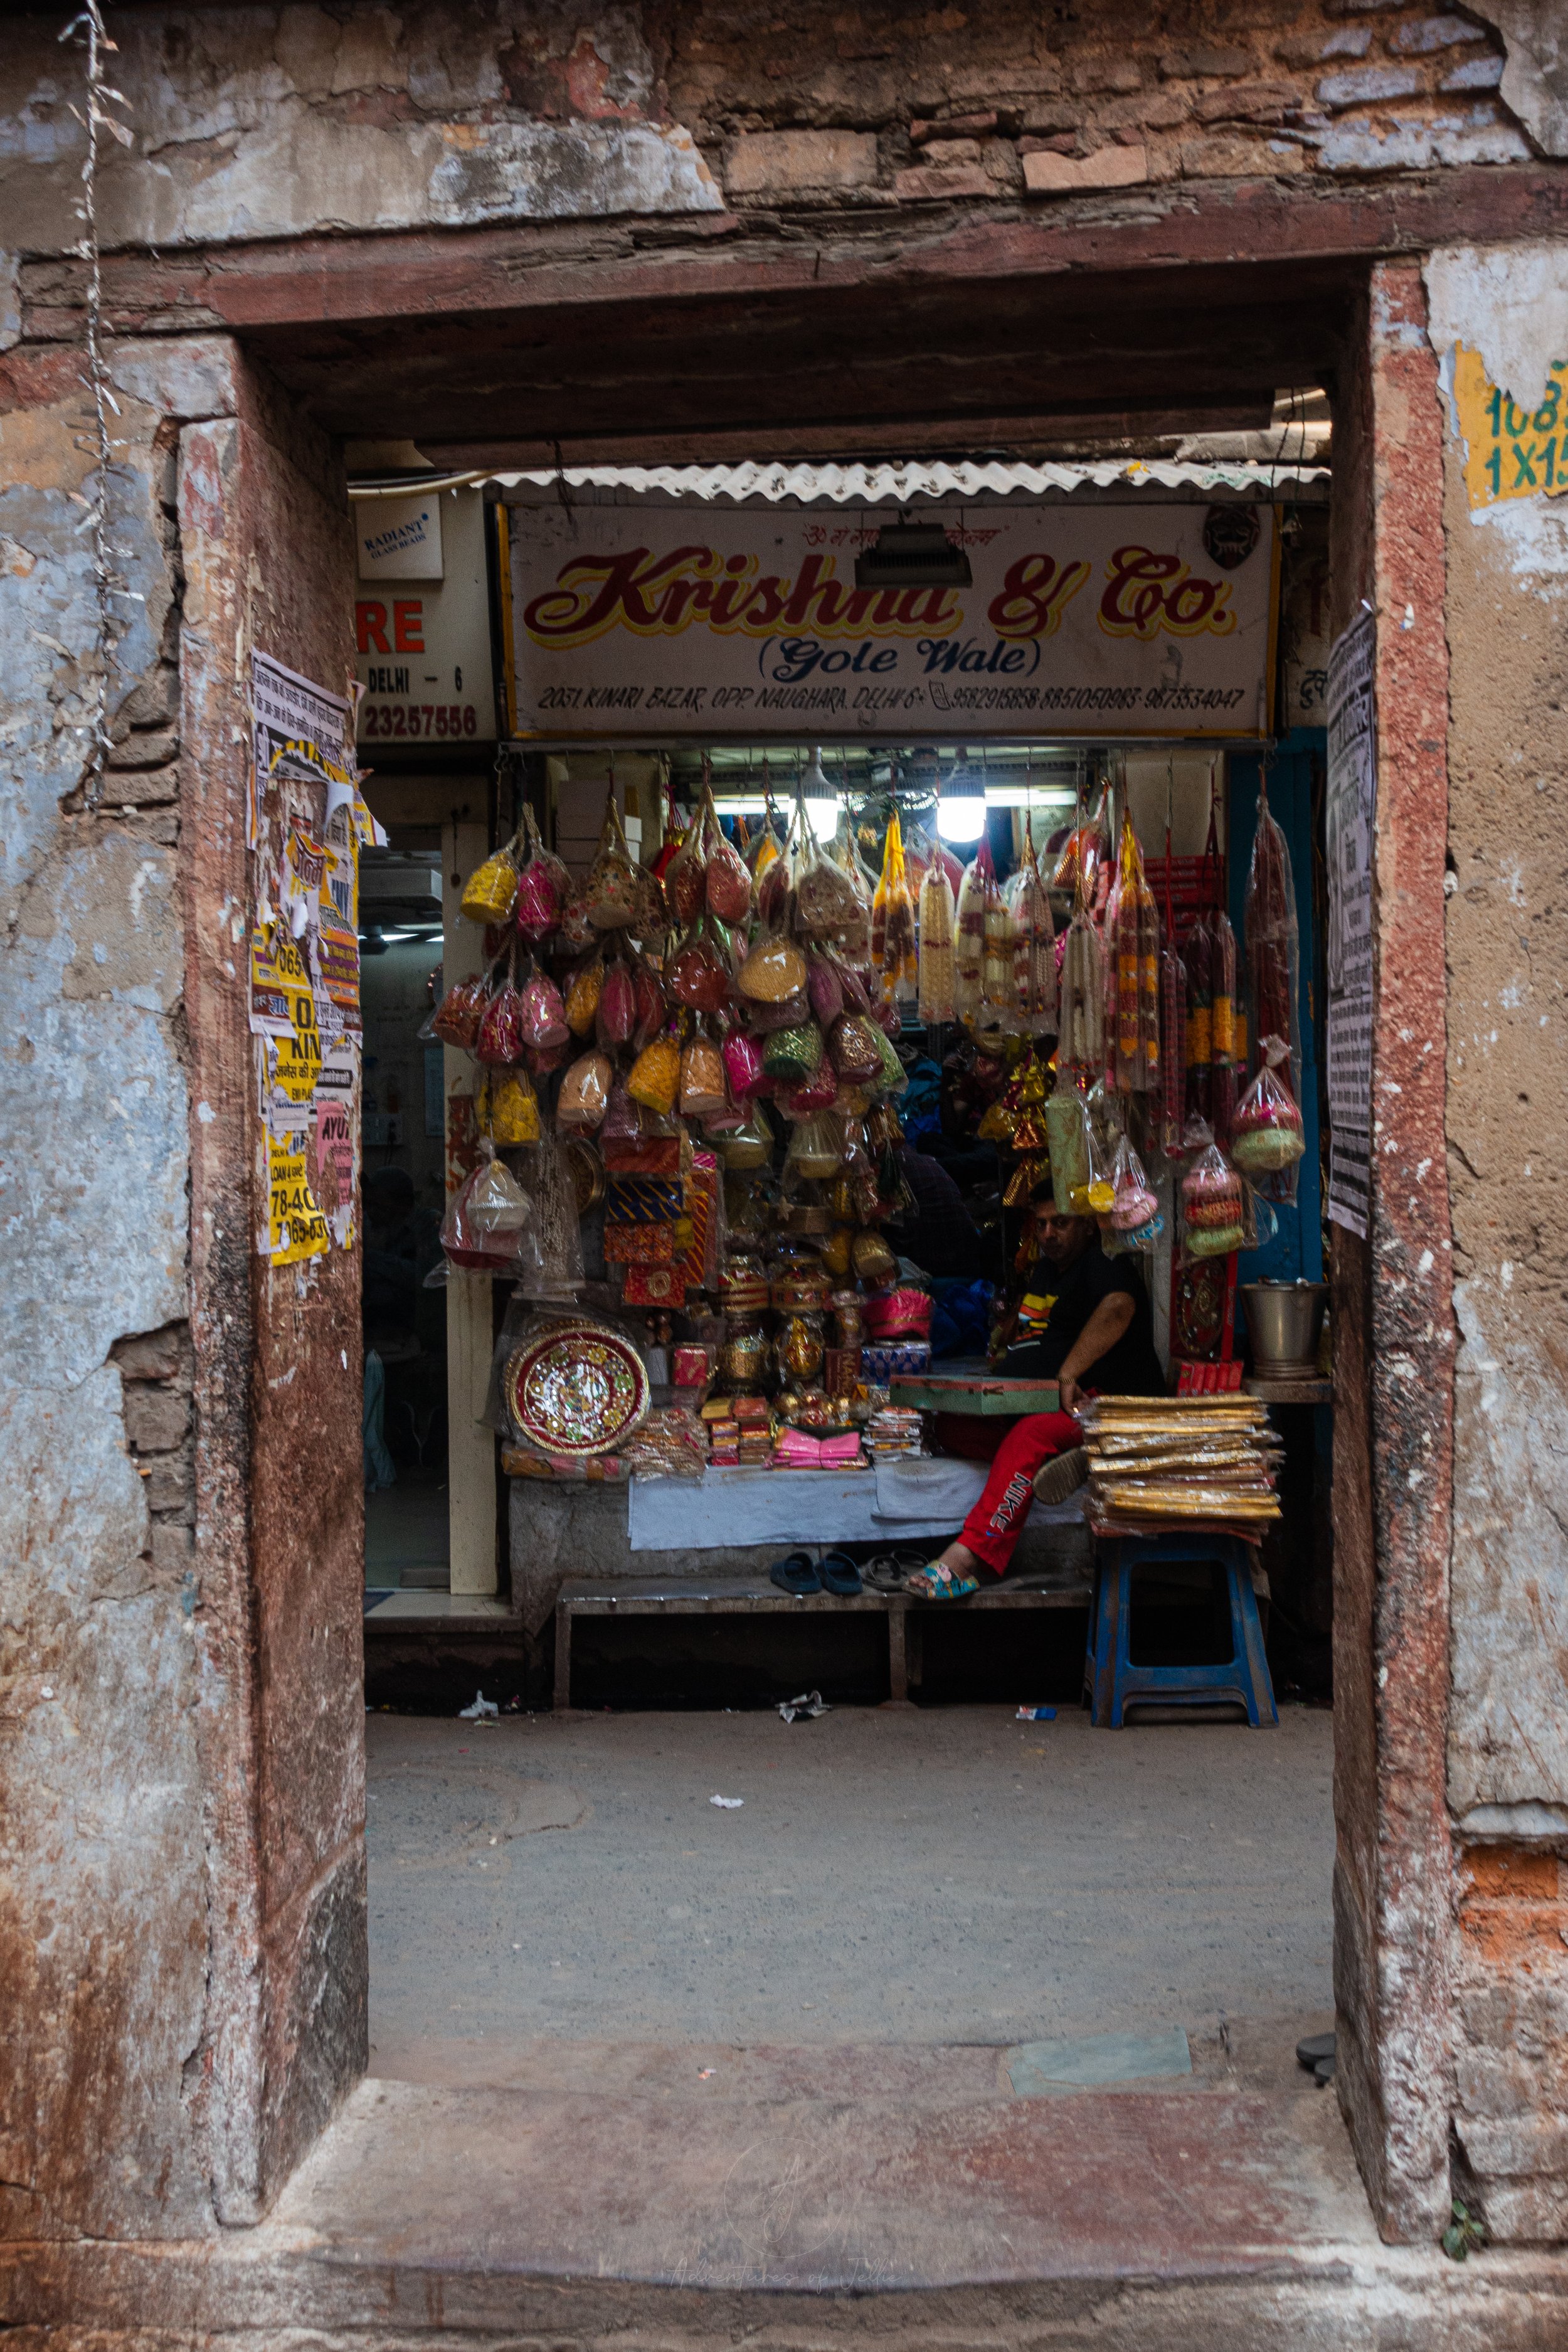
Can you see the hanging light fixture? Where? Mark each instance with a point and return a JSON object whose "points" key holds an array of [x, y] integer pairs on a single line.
{"points": [[960, 808], [821, 800]]}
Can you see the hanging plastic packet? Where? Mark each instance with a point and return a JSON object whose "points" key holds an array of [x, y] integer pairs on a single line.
{"points": [[557, 1273], [482, 1231], [727, 885], [651, 1009], [655, 1077], [1132, 978], [775, 970], [1135, 1222], [1066, 1124], [1172, 1110], [543, 1016], [969, 937], [1266, 1139], [937, 974], [1212, 1208], [996, 952], [1268, 926], [502, 1032], [1082, 1036], [893, 919], [703, 1094], [1035, 989], [831, 904], [699, 973]]}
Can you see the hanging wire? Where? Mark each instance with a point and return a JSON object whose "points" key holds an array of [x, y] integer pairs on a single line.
{"points": [[86, 31]]}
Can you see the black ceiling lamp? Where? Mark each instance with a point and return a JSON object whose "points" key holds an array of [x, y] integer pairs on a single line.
{"points": [[912, 556]]}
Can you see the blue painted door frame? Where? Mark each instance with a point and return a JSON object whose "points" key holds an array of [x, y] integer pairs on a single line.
{"points": [[1297, 1250]]}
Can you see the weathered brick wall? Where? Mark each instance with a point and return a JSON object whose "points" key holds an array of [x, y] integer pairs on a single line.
{"points": [[798, 105], [1510, 2009]]}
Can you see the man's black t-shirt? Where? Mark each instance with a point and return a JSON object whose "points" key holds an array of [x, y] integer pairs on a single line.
{"points": [[1057, 1305]]}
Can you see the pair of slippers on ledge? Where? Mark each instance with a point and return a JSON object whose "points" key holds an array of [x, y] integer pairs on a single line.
{"points": [[800, 1574]]}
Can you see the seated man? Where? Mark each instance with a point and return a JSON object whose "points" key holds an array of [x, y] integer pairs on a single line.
{"points": [[1084, 1321]]}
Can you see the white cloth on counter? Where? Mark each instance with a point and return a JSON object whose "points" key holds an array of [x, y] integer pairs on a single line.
{"points": [[897, 1500]]}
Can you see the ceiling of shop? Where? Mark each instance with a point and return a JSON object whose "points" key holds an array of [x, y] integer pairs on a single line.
{"points": [[1022, 364]]}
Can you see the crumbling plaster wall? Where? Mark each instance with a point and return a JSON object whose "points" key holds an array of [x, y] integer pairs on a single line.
{"points": [[104, 1950], [1508, 1148]]}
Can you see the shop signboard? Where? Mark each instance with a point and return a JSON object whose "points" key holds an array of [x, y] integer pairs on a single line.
{"points": [[1349, 820], [422, 640], [644, 622]]}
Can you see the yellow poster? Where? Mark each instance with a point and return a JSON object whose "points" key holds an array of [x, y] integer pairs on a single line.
{"points": [[1510, 452], [295, 1228]]}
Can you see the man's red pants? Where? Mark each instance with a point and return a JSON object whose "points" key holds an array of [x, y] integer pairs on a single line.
{"points": [[993, 1527]]}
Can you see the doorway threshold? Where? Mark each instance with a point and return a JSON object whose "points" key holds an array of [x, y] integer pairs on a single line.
{"points": [[451, 1608]]}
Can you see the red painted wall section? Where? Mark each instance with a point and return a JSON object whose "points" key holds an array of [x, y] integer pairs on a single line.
{"points": [[267, 555], [1394, 1320]]}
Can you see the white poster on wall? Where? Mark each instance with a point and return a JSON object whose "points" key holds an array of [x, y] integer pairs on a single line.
{"points": [[641, 621], [423, 644], [1350, 827]]}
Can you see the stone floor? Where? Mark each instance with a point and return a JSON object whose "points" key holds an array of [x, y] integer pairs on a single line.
{"points": [[913, 1878]]}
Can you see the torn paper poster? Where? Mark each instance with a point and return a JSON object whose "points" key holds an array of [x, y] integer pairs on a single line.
{"points": [[298, 731]]}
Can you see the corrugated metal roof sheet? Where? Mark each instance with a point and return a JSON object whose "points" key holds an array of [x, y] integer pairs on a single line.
{"points": [[906, 485]]}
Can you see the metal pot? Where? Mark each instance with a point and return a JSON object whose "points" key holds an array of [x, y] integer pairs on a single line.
{"points": [[1284, 1319]]}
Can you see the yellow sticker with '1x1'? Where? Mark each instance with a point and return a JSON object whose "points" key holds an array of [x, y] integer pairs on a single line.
{"points": [[1510, 452]]}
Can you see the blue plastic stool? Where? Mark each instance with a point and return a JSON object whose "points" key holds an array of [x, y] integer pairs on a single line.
{"points": [[1114, 1681]]}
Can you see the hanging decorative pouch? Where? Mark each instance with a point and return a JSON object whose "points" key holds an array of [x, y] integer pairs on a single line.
{"points": [[819, 1092], [894, 1077], [824, 986], [854, 1048], [816, 1145], [791, 1012], [651, 1009], [793, 1055], [490, 894], [1213, 1216], [685, 882], [609, 894]]}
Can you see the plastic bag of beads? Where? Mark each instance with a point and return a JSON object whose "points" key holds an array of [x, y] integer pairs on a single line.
{"points": [[539, 897], [894, 1077], [774, 969], [699, 975], [583, 992], [618, 1009], [935, 981], [650, 1005], [832, 904], [825, 987], [1213, 1221], [750, 1145], [543, 1014], [703, 1089], [490, 894], [1135, 1220], [819, 1092], [502, 1034], [511, 1116], [576, 929], [893, 918], [655, 1077], [727, 885], [610, 893], [458, 1017], [743, 1064], [685, 882], [790, 1012], [585, 1094], [1266, 1136]]}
